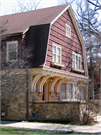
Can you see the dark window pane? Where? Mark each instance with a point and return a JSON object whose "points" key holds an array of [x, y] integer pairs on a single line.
{"points": [[12, 48], [12, 56], [63, 91], [63, 86]]}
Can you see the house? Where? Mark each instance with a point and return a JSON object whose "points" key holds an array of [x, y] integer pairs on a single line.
{"points": [[58, 67]]}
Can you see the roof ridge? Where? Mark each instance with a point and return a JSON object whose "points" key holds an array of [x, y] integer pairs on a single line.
{"points": [[35, 10], [19, 22]]}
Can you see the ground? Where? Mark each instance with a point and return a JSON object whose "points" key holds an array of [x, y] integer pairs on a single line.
{"points": [[54, 127]]}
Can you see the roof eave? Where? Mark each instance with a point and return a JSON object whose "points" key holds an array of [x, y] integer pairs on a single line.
{"points": [[59, 15], [11, 35]]}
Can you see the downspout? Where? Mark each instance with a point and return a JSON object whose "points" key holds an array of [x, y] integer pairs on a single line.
{"points": [[27, 86]]}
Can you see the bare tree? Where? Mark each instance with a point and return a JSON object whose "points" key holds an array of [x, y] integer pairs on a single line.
{"points": [[96, 4], [11, 71], [28, 5]]}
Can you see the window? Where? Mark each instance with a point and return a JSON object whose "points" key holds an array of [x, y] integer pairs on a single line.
{"points": [[81, 93], [63, 91], [56, 53], [70, 90], [12, 49], [68, 30], [75, 91], [76, 61]]}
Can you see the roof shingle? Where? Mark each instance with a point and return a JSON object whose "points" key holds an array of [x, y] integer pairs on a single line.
{"points": [[19, 22]]}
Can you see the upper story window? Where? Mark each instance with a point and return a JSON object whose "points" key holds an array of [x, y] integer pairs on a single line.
{"points": [[12, 51], [76, 61], [56, 56], [68, 30], [56, 53]]}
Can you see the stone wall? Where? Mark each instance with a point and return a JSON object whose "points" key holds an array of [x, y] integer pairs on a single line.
{"points": [[55, 110], [54, 96], [35, 96], [13, 97]]}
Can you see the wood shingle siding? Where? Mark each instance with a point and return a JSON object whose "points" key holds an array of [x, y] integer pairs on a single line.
{"points": [[69, 45]]}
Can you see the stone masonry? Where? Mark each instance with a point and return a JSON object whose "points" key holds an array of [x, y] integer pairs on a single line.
{"points": [[55, 110], [13, 97]]}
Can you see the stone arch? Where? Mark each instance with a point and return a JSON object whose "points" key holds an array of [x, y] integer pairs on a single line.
{"points": [[34, 82]]}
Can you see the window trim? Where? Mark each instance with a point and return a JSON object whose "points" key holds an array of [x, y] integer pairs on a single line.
{"points": [[70, 90], [74, 90], [7, 52], [66, 25], [74, 68], [73, 83], [55, 63]]}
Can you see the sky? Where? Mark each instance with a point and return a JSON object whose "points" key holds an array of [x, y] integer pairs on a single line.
{"points": [[10, 6]]}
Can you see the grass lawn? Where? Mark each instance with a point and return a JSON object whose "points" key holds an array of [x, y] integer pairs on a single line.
{"points": [[15, 131]]}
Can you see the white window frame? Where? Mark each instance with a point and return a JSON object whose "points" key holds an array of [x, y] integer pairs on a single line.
{"points": [[59, 64], [73, 98], [77, 68], [67, 27], [57, 46], [75, 91], [7, 50], [69, 91]]}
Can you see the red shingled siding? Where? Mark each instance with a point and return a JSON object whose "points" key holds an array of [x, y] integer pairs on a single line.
{"points": [[57, 36]]}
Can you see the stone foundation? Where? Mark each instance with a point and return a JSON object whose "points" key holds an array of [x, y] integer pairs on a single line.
{"points": [[13, 97], [55, 110]]}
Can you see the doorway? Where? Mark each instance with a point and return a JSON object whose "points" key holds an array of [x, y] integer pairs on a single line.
{"points": [[45, 92]]}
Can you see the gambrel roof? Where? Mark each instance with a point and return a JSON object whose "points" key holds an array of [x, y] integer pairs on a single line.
{"points": [[36, 21], [19, 22]]}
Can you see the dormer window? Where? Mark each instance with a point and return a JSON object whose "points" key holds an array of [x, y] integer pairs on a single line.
{"points": [[68, 30], [12, 50]]}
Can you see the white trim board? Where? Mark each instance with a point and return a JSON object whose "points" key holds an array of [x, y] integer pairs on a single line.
{"points": [[59, 15]]}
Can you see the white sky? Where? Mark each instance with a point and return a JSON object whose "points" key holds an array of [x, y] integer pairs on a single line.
{"points": [[10, 6]]}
